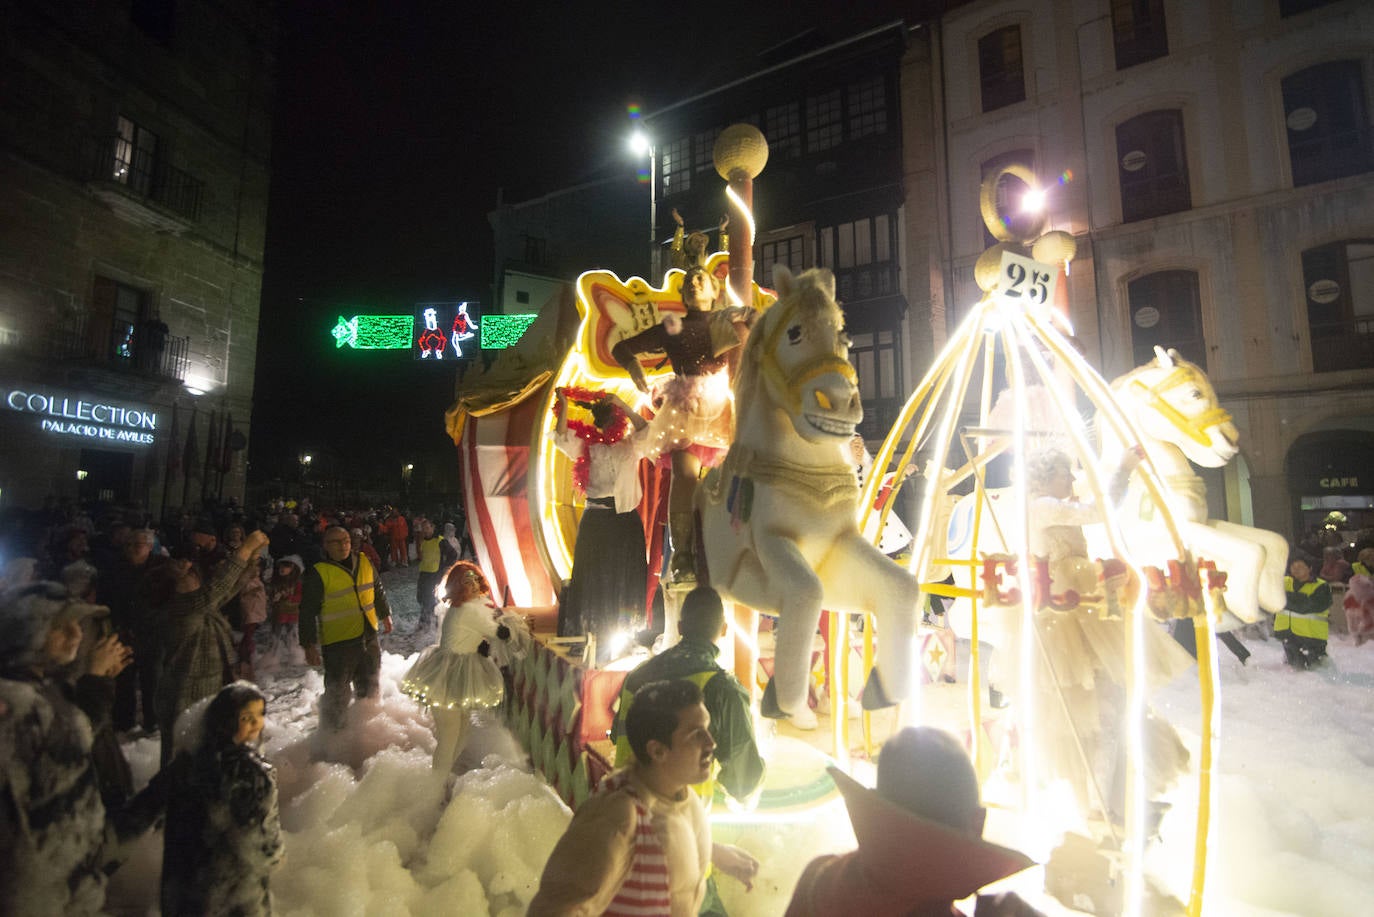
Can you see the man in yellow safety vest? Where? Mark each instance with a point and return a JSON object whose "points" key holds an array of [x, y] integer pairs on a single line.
{"points": [[1302, 625], [342, 608]]}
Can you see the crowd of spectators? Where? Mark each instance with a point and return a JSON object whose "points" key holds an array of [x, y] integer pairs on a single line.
{"points": [[114, 626]]}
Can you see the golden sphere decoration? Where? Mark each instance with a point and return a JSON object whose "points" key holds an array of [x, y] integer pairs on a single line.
{"points": [[740, 148], [987, 270], [987, 202], [1054, 247]]}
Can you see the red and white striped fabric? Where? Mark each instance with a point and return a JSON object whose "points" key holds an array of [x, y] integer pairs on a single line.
{"points": [[644, 893], [496, 464]]}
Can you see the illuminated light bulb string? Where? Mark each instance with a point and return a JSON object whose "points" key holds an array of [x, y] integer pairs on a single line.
{"points": [[1027, 341]]}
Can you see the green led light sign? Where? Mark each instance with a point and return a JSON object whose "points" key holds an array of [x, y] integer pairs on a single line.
{"points": [[374, 332], [502, 331]]}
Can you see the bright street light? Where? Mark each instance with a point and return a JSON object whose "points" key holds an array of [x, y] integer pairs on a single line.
{"points": [[639, 143]]}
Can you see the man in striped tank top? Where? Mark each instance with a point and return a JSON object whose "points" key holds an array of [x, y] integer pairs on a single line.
{"points": [[642, 845]]}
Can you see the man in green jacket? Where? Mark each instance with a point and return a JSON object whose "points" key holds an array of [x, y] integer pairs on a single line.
{"points": [[701, 624], [1302, 625]]}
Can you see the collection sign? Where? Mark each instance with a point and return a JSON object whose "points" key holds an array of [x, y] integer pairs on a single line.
{"points": [[83, 416]]}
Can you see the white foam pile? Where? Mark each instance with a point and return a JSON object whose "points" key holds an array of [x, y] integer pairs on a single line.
{"points": [[369, 830]]}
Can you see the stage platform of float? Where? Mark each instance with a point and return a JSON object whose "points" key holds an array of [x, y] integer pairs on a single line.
{"points": [[561, 709]]}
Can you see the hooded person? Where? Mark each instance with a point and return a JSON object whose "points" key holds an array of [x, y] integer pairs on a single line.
{"points": [[52, 820], [223, 835], [284, 596], [920, 839]]}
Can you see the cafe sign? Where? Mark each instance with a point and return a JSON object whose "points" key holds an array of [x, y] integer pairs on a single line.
{"points": [[85, 417]]}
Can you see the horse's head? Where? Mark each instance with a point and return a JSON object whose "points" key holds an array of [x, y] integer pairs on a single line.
{"points": [[1179, 406], [799, 352]]}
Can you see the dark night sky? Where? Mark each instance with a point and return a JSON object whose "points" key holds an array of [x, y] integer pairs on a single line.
{"points": [[396, 124]]}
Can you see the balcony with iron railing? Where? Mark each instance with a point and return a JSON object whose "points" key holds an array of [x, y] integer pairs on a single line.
{"points": [[1342, 345], [144, 349], [141, 186]]}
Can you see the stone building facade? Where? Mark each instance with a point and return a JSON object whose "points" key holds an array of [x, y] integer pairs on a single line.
{"points": [[1215, 163], [134, 169]]}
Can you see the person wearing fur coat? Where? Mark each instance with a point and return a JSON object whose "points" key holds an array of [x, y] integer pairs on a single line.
{"points": [[52, 820], [223, 836]]}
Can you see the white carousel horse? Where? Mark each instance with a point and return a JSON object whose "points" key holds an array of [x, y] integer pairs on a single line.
{"points": [[1177, 411], [777, 519]]}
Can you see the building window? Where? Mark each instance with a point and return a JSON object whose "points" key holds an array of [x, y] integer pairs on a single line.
{"points": [[1166, 311], [867, 107], [999, 68], [877, 362], [704, 144], [860, 254], [536, 251], [675, 166], [135, 155], [1152, 165], [118, 311], [824, 121], [1010, 190], [522, 297], [788, 251], [782, 127], [1328, 133], [1339, 281], [1138, 30]]}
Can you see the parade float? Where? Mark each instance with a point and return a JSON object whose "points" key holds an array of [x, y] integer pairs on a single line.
{"points": [[1076, 769]]}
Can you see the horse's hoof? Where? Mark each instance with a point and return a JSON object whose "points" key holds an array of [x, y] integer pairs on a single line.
{"points": [[874, 697], [768, 704]]}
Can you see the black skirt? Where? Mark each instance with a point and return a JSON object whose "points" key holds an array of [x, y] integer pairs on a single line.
{"points": [[610, 577]]}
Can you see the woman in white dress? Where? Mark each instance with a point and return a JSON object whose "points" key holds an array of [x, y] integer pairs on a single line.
{"points": [[456, 678]]}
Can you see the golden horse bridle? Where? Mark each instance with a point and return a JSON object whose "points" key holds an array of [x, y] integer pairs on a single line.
{"points": [[791, 383], [1192, 427]]}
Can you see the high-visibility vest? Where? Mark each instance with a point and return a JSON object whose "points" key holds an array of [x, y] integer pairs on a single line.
{"points": [[349, 600], [429, 554], [1312, 624], [1360, 569]]}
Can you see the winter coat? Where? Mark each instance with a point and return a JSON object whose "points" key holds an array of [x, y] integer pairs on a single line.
{"points": [[199, 652], [223, 834], [52, 822], [94, 695], [732, 724]]}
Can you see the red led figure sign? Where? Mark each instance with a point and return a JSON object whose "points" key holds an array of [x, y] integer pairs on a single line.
{"points": [[445, 330]]}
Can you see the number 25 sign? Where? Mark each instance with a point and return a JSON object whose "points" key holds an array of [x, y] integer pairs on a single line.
{"points": [[1026, 282]]}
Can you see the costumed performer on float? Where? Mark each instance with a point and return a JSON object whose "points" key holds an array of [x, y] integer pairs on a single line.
{"points": [[456, 678], [1081, 641], [610, 572], [695, 423]]}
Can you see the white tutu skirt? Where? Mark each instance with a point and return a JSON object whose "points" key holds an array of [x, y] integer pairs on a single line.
{"points": [[440, 678]]}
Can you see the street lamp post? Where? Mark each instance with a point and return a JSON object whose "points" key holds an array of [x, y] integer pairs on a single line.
{"points": [[740, 154], [305, 460], [643, 144]]}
